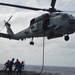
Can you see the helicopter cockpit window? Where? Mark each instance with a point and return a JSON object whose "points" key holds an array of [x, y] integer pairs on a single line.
{"points": [[32, 21], [65, 16]]}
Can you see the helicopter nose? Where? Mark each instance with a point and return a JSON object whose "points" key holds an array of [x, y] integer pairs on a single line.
{"points": [[72, 21]]}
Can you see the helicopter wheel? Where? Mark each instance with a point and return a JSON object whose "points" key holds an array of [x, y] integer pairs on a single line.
{"points": [[31, 43], [66, 38]]}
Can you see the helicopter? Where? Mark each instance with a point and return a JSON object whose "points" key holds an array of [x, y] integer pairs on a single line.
{"points": [[53, 24]]}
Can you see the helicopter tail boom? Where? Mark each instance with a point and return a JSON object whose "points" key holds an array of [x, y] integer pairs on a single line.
{"points": [[7, 36]]}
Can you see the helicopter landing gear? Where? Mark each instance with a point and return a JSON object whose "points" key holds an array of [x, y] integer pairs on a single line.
{"points": [[32, 43], [66, 38]]}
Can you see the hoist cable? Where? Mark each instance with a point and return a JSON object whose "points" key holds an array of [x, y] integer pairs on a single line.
{"points": [[43, 55]]}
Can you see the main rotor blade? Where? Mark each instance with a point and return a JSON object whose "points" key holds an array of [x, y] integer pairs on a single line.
{"points": [[23, 7], [53, 3], [66, 11]]}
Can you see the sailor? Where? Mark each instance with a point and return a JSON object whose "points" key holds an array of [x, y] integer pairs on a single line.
{"points": [[20, 67], [10, 66], [16, 64], [7, 66]]}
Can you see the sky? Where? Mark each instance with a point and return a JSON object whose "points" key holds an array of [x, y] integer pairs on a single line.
{"points": [[58, 52]]}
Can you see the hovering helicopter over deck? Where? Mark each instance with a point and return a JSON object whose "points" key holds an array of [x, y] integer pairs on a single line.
{"points": [[51, 25]]}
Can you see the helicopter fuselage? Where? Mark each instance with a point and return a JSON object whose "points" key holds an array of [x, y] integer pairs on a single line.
{"points": [[49, 25]]}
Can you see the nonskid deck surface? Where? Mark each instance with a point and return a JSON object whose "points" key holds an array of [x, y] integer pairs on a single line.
{"points": [[23, 73], [30, 73]]}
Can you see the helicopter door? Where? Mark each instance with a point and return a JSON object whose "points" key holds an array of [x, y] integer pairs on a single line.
{"points": [[45, 24]]}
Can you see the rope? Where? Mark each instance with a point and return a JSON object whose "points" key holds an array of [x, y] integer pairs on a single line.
{"points": [[42, 55]]}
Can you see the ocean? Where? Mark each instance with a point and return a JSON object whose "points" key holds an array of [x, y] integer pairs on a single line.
{"points": [[49, 70]]}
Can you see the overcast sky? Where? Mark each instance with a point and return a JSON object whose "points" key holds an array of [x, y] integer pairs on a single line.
{"points": [[58, 52]]}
